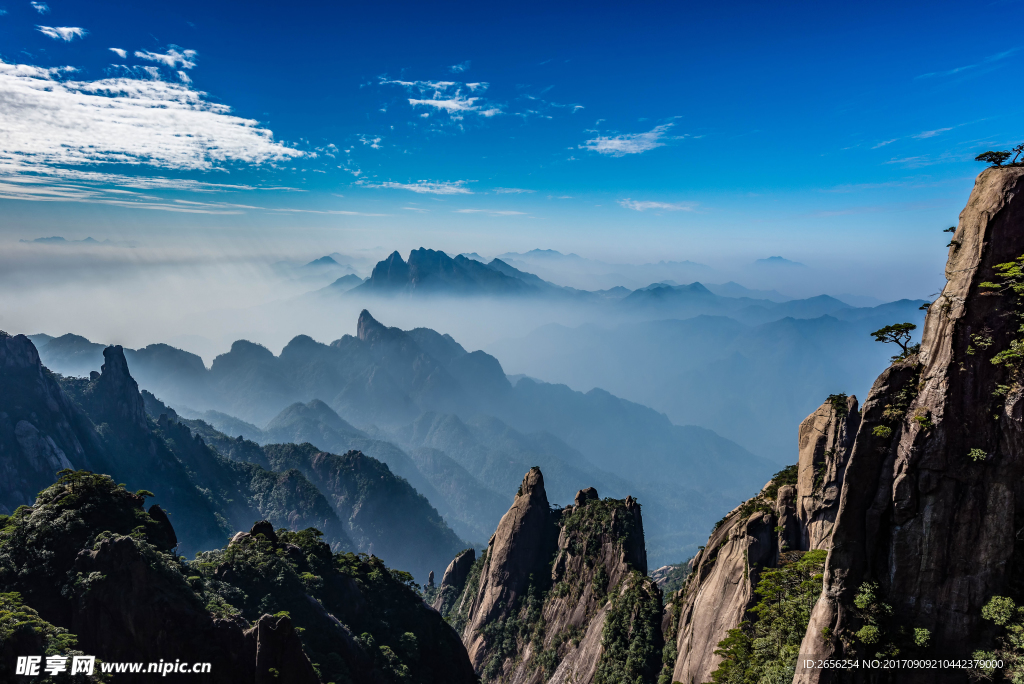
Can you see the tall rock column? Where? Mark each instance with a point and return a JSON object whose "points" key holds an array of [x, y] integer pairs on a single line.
{"points": [[933, 493], [523, 544], [825, 440]]}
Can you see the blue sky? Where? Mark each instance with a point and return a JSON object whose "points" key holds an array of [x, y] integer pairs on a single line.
{"points": [[718, 133]]}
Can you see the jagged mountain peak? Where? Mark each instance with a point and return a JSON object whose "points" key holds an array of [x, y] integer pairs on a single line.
{"points": [[533, 488], [518, 551], [117, 390], [430, 271], [560, 595], [367, 327]]}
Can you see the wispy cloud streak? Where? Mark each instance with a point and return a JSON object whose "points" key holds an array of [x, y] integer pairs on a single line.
{"points": [[448, 96], [639, 205], [65, 33], [424, 187], [630, 143], [172, 58]]}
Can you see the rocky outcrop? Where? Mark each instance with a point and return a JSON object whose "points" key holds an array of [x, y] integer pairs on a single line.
{"points": [[598, 576], [454, 580], [517, 555], [793, 513], [156, 617], [720, 589], [116, 394], [543, 603], [825, 440], [933, 493]]}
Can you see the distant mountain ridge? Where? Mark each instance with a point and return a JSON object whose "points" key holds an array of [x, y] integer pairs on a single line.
{"points": [[105, 424], [431, 410], [433, 272]]}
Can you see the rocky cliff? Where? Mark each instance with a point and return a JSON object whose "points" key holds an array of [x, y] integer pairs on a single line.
{"points": [[793, 514], [917, 497], [928, 515], [562, 595]]}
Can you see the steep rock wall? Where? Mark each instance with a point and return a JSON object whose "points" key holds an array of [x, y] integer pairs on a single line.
{"points": [[719, 592], [794, 512], [825, 440], [931, 525]]}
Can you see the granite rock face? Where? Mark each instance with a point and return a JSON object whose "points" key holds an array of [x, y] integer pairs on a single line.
{"points": [[520, 547], [118, 400], [564, 574], [794, 513], [825, 440], [454, 580], [933, 526], [720, 589]]}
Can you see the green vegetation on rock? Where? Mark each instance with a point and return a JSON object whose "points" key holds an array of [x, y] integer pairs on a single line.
{"points": [[631, 641], [49, 553], [765, 647], [900, 334], [1009, 618]]}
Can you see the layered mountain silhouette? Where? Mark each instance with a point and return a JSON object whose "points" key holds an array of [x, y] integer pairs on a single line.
{"points": [[433, 272], [438, 414], [103, 423]]}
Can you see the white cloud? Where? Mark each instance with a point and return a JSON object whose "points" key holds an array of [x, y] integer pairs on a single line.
{"points": [[65, 33], [40, 7], [374, 143], [27, 188], [183, 77], [447, 96], [119, 52], [26, 173], [172, 58], [576, 108], [490, 212], [456, 105], [629, 143], [931, 134], [135, 192], [459, 68], [425, 187], [884, 143], [511, 191], [638, 205], [46, 121]]}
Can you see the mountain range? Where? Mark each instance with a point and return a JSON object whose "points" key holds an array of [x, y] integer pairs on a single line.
{"points": [[448, 421], [105, 424]]}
